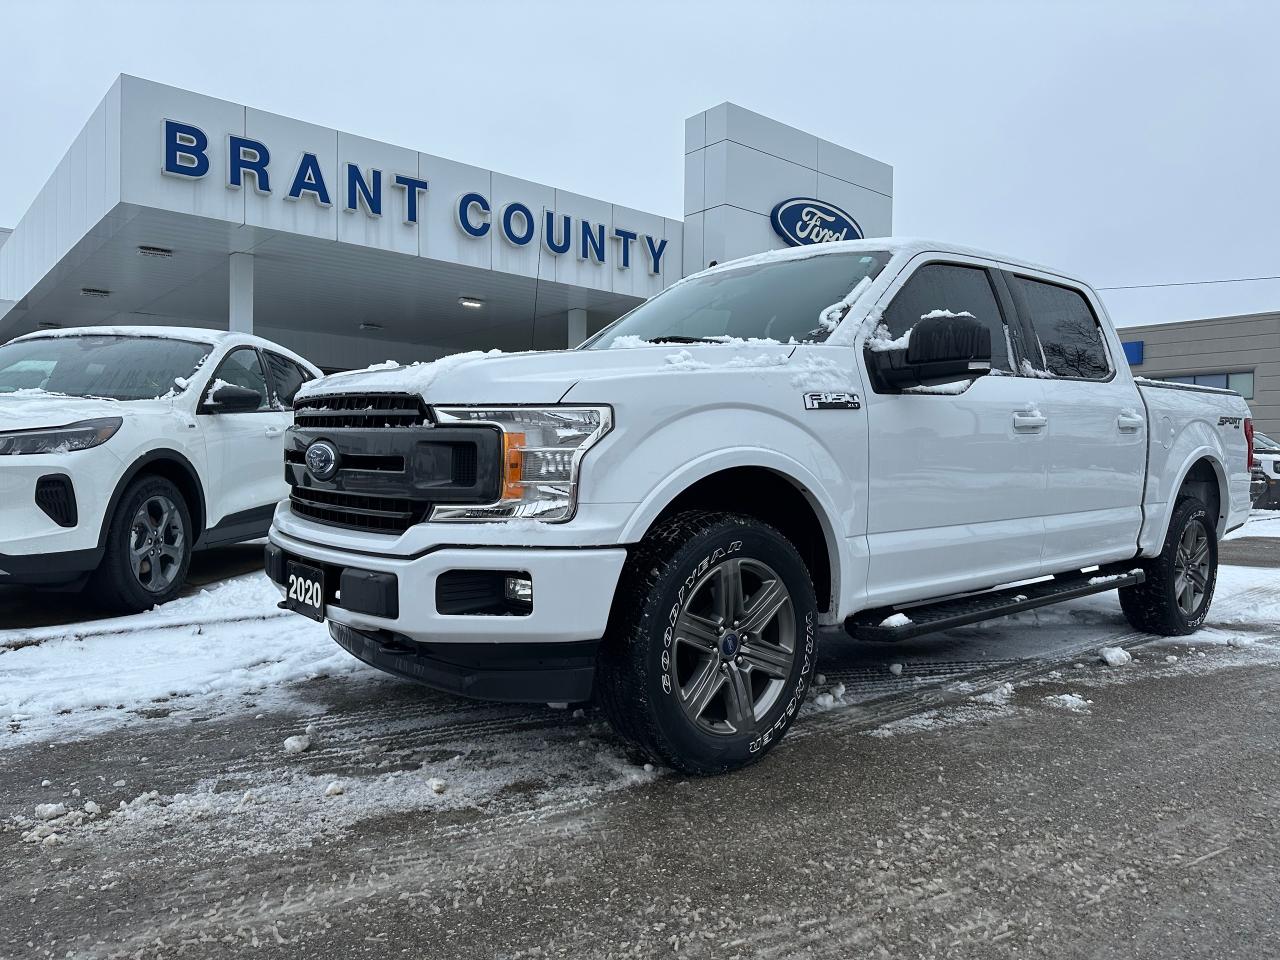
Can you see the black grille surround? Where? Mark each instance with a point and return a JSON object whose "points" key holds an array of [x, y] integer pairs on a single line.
{"points": [[394, 463], [363, 410]]}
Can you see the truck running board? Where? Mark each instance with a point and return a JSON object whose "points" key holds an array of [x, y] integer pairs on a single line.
{"points": [[889, 624]]}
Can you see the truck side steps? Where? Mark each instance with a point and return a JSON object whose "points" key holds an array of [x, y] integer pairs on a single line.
{"points": [[889, 624]]}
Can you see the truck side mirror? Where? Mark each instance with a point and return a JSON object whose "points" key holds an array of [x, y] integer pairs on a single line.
{"points": [[939, 350], [229, 398]]}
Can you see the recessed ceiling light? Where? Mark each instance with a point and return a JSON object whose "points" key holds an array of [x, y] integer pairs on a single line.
{"points": [[94, 292], [471, 303], [366, 325], [148, 251]]}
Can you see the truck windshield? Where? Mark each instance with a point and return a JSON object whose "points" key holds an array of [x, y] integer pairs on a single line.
{"points": [[779, 300], [115, 367]]}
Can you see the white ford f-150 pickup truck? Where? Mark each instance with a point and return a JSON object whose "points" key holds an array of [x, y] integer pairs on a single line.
{"points": [[123, 449], [882, 434]]}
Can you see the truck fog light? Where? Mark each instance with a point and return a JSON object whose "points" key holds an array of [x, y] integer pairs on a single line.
{"points": [[518, 589]]}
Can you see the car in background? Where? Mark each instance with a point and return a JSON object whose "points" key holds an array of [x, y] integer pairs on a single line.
{"points": [[125, 449], [1266, 472]]}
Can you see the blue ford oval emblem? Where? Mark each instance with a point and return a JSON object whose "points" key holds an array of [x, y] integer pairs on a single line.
{"points": [[729, 644], [803, 220], [322, 459]]}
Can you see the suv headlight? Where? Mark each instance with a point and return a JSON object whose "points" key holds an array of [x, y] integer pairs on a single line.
{"points": [[542, 448], [74, 436]]}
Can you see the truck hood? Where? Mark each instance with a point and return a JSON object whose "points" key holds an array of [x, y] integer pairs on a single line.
{"points": [[541, 377], [36, 409]]}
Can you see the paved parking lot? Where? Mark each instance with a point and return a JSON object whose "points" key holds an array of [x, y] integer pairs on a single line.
{"points": [[993, 791]]}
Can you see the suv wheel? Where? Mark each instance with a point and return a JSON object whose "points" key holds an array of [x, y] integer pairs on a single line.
{"points": [[1175, 598], [148, 547], [711, 642]]}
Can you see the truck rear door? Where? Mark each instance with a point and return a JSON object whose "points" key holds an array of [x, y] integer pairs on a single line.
{"points": [[1096, 432]]}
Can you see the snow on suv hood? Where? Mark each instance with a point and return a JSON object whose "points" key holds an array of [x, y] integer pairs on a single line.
{"points": [[542, 377], [34, 409]]}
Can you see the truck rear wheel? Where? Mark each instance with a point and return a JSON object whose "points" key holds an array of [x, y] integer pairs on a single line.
{"points": [[148, 547], [1175, 598], [711, 642]]}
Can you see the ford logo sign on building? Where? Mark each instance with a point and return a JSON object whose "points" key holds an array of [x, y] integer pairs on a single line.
{"points": [[803, 220]]}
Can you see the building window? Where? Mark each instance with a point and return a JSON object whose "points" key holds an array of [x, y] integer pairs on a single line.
{"points": [[1241, 382]]}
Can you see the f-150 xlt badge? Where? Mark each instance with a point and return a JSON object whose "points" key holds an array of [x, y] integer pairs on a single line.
{"points": [[832, 401]]}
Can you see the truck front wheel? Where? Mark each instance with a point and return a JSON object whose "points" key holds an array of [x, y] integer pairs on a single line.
{"points": [[711, 642], [1175, 598]]}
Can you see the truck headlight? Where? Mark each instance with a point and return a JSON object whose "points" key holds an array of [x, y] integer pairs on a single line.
{"points": [[542, 448], [74, 436]]}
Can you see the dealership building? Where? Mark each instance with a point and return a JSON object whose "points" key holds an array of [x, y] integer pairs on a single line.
{"points": [[172, 207]]}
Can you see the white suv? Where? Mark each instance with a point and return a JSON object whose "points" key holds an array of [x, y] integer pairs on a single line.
{"points": [[123, 449]]}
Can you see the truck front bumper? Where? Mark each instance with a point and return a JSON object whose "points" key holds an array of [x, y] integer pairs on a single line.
{"points": [[391, 612]]}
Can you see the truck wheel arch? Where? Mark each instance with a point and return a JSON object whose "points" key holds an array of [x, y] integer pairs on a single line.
{"points": [[786, 499], [1201, 475], [173, 466]]}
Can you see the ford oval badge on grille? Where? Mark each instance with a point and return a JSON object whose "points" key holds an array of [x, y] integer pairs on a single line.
{"points": [[322, 460], [804, 220]]}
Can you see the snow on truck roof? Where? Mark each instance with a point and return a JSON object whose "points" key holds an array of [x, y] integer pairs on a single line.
{"points": [[905, 247]]}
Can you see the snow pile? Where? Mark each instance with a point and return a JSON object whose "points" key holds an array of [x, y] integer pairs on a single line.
{"points": [[945, 315], [297, 744], [416, 376], [630, 341], [882, 339], [814, 372], [896, 620], [1069, 701], [222, 642], [1261, 523], [1029, 371], [831, 316], [764, 360], [1115, 656], [942, 389], [684, 360]]}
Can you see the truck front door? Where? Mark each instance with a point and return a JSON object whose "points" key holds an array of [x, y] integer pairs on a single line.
{"points": [[956, 474]]}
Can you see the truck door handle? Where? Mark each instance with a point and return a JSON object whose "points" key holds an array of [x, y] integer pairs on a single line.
{"points": [[1030, 421], [1129, 422], [274, 431]]}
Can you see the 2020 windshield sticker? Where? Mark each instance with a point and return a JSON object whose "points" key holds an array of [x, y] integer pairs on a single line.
{"points": [[832, 401]]}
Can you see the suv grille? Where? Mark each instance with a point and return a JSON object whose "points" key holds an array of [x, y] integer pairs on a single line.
{"points": [[378, 514], [369, 411]]}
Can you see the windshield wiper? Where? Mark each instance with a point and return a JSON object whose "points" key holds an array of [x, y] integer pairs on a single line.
{"points": [[676, 338]]}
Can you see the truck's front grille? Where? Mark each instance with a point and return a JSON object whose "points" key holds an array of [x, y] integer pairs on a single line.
{"points": [[377, 514], [368, 411]]}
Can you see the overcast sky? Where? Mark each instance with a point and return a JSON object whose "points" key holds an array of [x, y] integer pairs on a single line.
{"points": [[1128, 142]]}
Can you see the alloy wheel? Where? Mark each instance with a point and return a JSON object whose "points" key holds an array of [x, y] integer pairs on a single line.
{"points": [[1191, 569], [157, 541], [734, 645]]}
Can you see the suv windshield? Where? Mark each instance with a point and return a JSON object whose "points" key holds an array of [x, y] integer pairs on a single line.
{"points": [[1263, 443], [115, 367], [778, 300]]}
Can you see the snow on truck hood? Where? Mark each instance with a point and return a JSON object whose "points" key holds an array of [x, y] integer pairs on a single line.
{"points": [[494, 377]]}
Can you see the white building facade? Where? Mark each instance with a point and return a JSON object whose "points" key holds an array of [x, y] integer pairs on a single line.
{"points": [[172, 207]]}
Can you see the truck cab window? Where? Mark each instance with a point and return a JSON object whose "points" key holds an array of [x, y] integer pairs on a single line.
{"points": [[1067, 339], [959, 289]]}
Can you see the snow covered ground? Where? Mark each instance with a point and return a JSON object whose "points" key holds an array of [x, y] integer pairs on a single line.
{"points": [[324, 742]]}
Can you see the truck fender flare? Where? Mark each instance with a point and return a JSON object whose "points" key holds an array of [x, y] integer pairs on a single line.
{"points": [[809, 485], [1153, 540]]}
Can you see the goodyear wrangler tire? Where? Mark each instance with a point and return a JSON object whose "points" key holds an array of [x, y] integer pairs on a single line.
{"points": [[1175, 598], [711, 642]]}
